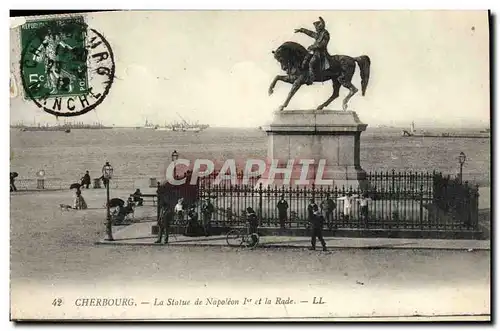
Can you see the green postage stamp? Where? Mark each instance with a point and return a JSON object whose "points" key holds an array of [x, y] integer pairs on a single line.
{"points": [[66, 68]]}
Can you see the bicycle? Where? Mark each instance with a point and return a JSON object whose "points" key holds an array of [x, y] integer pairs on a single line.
{"points": [[242, 237]]}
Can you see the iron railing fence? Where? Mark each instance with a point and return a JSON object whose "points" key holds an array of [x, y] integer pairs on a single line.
{"points": [[394, 200]]}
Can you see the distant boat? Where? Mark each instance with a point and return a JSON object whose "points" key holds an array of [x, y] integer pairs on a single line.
{"points": [[67, 130], [413, 133], [163, 128], [148, 125], [59, 127], [183, 126], [42, 128]]}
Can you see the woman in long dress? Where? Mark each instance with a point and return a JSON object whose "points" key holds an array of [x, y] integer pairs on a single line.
{"points": [[79, 202]]}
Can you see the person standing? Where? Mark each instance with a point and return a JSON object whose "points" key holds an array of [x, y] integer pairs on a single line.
{"points": [[317, 229], [348, 202], [253, 224], [363, 204], [164, 220], [327, 207], [193, 226], [86, 179], [13, 176], [179, 210], [310, 210], [282, 211], [207, 209]]}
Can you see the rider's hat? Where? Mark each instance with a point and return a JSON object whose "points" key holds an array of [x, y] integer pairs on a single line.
{"points": [[321, 22]]}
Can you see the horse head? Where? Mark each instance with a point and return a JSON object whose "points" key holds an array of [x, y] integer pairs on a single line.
{"points": [[290, 55]]}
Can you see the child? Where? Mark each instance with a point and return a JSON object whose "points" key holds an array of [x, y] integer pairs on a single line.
{"points": [[179, 209], [348, 201]]}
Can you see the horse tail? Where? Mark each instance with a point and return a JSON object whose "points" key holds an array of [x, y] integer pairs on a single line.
{"points": [[364, 66]]}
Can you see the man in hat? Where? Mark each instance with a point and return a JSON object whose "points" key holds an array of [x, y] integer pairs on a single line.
{"points": [[319, 48], [327, 207], [282, 210], [165, 218], [317, 228], [207, 209], [310, 210]]}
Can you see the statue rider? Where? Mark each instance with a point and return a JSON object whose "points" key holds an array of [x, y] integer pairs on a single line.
{"points": [[319, 48]]}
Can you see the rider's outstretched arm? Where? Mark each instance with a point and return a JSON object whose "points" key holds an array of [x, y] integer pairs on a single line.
{"points": [[310, 33]]}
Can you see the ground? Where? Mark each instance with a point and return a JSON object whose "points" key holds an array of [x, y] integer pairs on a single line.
{"points": [[50, 247]]}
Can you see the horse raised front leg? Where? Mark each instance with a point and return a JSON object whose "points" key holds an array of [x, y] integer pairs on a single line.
{"points": [[295, 87], [285, 79]]}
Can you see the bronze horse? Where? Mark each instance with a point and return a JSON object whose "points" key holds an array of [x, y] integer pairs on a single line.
{"points": [[337, 68]]}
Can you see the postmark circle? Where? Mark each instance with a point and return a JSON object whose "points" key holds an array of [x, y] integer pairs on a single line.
{"points": [[67, 69]]}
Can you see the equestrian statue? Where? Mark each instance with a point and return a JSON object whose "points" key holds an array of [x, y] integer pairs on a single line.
{"points": [[314, 64]]}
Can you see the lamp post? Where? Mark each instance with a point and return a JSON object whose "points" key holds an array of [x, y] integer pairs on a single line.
{"points": [[107, 174], [175, 157], [461, 161]]}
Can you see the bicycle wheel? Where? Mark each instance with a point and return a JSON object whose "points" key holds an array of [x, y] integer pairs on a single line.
{"points": [[234, 238], [251, 240]]}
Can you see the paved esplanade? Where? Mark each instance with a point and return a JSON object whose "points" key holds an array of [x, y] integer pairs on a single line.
{"points": [[57, 248]]}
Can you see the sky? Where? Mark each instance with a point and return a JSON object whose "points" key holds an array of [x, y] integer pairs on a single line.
{"points": [[215, 67]]}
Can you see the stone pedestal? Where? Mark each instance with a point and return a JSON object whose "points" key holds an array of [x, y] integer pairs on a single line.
{"points": [[331, 136]]}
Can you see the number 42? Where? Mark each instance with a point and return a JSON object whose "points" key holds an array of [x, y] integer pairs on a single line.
{"points": [[57, 302]]}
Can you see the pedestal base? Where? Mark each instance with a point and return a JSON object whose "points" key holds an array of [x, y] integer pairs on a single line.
{"points": [[329, 139]]}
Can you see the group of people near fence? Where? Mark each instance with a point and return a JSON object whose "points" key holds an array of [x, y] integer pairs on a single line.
{"points": [[328, 206], [319, 215], [176, 214], [180, 211]]}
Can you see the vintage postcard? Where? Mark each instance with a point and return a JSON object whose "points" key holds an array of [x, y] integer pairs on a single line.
{"points": [[250, 165]]}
